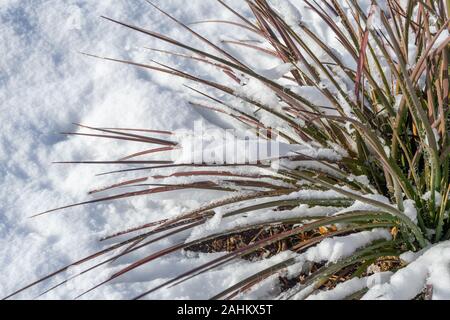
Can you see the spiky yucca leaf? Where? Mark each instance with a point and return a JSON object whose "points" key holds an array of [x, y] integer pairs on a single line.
{"points": [[385, 122]]}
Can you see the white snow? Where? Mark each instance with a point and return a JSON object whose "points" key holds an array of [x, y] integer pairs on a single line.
{"points": [[346, 289], [277, 72], [410, 210], [255, 217], [437, 197], [288, 11], [430, 268], [332, 250], [45, 85], [360, 179]]}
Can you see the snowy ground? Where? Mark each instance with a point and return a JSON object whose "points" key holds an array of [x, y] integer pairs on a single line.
{"points": [[45, 85]]}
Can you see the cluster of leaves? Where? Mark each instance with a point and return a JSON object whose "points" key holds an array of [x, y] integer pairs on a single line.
{"points": [[388, 117]]}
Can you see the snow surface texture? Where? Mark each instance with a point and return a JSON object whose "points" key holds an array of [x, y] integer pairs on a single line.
{"points": [[45, 85]]}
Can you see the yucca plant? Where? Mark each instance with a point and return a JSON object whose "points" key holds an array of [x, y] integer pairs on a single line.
{"points": [[367, 128]]}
